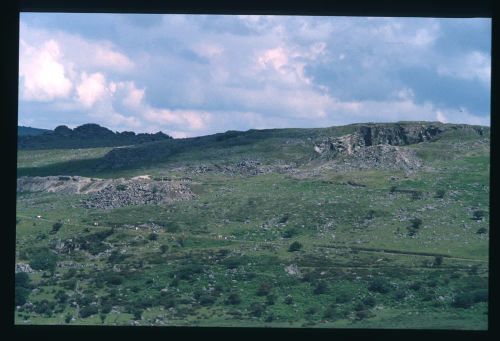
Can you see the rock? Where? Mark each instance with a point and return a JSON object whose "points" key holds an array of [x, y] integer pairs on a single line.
{"points": [[24, 267]]}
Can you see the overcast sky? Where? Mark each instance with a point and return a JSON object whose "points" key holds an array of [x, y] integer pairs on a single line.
{"points": [[191, 75]]}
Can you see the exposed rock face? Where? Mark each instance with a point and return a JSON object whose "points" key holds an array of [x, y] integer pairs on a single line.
{"points": [[110, 193], [243, 167], [142, 192], [23, 267], [366, 136], [383, 156], [61, 184]]}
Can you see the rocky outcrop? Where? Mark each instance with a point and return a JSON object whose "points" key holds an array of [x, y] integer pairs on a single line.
{"points": [[86, 136], [373, 135], [110, 193]]}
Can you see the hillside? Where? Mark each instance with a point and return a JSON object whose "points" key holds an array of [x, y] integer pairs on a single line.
{"points": [[25, 131], [85, 136], [366, 225]]}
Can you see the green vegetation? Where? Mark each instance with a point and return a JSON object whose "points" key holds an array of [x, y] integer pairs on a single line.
{"points": [[312, 247]]}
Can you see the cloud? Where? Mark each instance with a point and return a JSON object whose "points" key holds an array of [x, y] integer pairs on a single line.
{"points": [[91, 89], [440, 117], [191, 75], [473, 65], [43, 75]]}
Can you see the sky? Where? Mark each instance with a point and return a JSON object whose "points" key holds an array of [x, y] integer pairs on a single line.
{"points": [[193, 75]]}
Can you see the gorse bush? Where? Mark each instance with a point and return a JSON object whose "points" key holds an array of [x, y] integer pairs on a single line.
{"points": [[380, 285], [295, 246], [56, 227]]}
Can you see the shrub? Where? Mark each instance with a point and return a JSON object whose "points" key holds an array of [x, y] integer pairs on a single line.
{"points": [[320, 288], [478, 214], [172, 226], [311, 311], [369, 301], [233, 299], [21, 295], [416, 195], [362, 314], [416, 223], [56, 227], [415, 286], [137, 314], [482, 230], [380, 284], [68, 318], [264, 289], [438, 260], [69, 274], [283, 219], [288, 300], [330, 312], [342, 297], [187, 271], [270, 317], [289, 232], [480, 295], [43, 259], [440, 193], [256, 309], [61, 296], [106, 307], [393, 189], [399, 294], [121, 187], [88, 310], [270, 299], [295, 246], [462, 300], [163, 248], [22, 280], [206, 299]]}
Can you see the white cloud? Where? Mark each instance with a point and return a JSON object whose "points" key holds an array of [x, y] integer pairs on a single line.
{"points": [[42, 72], [440, 117], [188, 119], [473, 65], [91, 89]]}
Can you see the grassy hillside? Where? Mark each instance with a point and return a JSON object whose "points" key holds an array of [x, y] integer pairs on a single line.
{"points": [[275, 236]]}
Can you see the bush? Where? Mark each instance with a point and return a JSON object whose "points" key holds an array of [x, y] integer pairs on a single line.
{"points": [[257, 309], [342, 297], [233, 299], [68, 318], [288, 300], [295, 246], [137, 314], [480, 295], [21, 295], [56, 227], [187, 271], [61, 297], [440, 193], [270, 317], [320, 288], [369, 302], [478, 214], [462, 300], [290, 232], [163, 248], [416, 223], [380, 285], [43, 259], [153, 236], [88, 310], [22, 280], [270, 299], [172, 226], [482, 230], [438, 260], [416, 195], [264, 289], [121, 187], [330, 313]]}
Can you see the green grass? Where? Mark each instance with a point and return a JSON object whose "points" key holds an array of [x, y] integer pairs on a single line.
{"points": [[350, 236]]}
